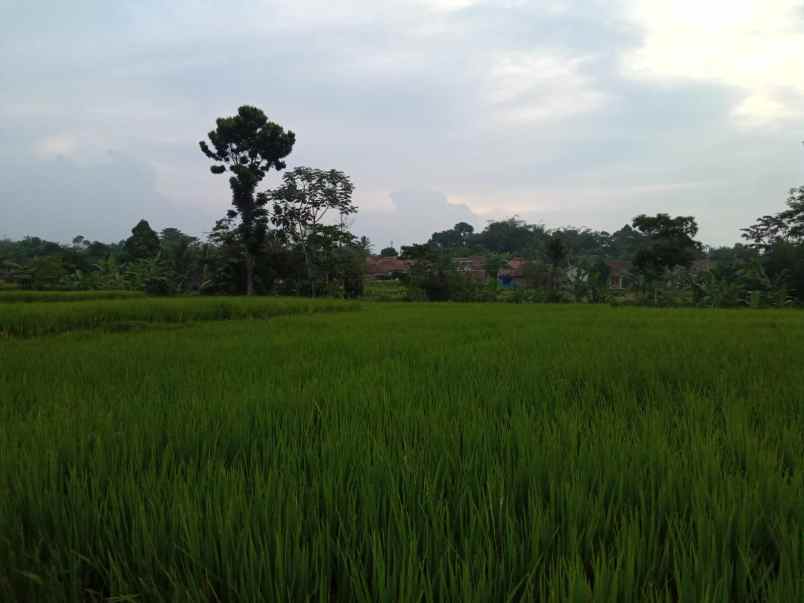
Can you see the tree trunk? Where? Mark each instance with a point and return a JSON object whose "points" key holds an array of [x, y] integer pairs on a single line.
{"points": [[249, 273], [309, 265]]}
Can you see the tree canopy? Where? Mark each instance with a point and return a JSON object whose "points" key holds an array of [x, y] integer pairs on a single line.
{"points": [[302, 203], [143, 242], [670, 243], [248, 146]]}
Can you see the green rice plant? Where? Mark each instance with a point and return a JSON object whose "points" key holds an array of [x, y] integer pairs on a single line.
{"points": [[385, 290], [32, 319], [22, 295], [409, 452]]}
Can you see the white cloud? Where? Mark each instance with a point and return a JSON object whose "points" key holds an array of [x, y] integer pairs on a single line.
{"points": [[57, 145], [754, 46], [538, 86], [761, 109], [449, 5]]}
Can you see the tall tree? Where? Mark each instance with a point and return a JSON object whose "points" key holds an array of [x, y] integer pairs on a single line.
{"points": [[306, 198], [248, 146], [181, 252], [786, 226], [457, 236], [143, 242], [669, 242], [622, 244], [555, 252], [779, 239], [510, 236]]}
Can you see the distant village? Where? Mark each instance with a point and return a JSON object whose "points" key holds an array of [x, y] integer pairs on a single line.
{"points": [[511, 275]]}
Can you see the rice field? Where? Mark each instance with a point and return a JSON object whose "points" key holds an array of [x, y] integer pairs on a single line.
{"points": [[32, 319], [405, 452], [26, 296]]}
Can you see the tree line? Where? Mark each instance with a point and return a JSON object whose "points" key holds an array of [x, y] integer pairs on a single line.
{"points": [[659, 255], [295, 239]]}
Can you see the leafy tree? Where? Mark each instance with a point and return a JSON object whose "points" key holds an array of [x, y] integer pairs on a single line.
{"points": [[338, 259], [779, 239], [784, 266], [365, 244], [180, 253], [222, 268], [46, 272], [599, 275], [510, 236], [433, 275], [302, 203], [389, 252], [622, 244], [669, 242], [459, 235], [714, 290], [43, 272], [143, 242], [496, 262], [536, 274], [418, 252], [555, 253], [108, 275], [153, 275], [248, 145], [787, 226]]}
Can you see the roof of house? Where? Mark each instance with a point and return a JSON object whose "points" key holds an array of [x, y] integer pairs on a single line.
{"points": [[703, 265], [473, 263], [515, 268], [377, 264], [618, 267]]}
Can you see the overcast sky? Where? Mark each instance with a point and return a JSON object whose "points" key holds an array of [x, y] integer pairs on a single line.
{"points": [[584, 113]]}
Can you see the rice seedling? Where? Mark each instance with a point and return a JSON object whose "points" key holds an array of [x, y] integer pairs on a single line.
{"points": [[409, 452]]}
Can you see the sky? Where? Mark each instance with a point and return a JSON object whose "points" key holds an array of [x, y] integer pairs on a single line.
{"points": [[562, 113]]}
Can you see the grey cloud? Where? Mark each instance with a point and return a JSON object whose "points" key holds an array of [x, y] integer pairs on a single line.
{"points": [[397, 101], [60, 198]]}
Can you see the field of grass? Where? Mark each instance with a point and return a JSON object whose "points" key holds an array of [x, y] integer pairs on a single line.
{"points": [[32, 319], [408, 452], [22, 295]]}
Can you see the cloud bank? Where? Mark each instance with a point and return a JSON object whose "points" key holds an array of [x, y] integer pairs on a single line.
{"points": [[562, 112]]}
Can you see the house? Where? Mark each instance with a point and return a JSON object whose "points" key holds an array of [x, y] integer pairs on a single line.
{"points": [[473, 267], [381, 267], [618, 274], [699, 266], [512, 275]]}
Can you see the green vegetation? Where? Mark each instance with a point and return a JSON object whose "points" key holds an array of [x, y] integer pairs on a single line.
{"points": [[295, 240], [406, 452], [26, 320], [23, 295], [385, 290]]}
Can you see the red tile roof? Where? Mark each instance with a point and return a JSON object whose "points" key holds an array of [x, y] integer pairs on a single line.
{"points": [[377, 265], [473, 263], [618, 267]]}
